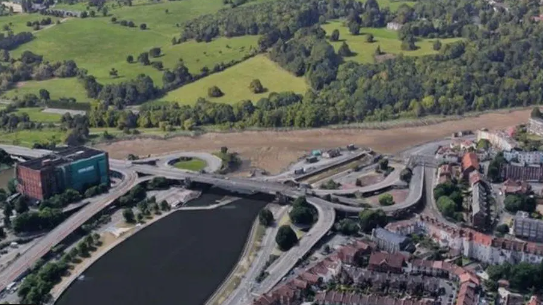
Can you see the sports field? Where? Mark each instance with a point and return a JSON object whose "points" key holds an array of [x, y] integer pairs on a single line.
{"points": [[57, 87], [234, 83], [386, 39]]}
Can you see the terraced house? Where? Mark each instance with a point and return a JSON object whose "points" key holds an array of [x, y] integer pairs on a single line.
{"points": [[472, 244]]}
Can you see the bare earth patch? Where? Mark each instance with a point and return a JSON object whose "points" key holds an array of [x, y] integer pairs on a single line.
{"points": [[370, 179], [275, 150]]}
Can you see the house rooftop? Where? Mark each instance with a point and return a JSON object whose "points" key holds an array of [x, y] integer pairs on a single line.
{"points": [[391, 237], [470, 159], [392, 260]]}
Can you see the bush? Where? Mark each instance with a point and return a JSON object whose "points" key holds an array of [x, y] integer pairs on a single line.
{"points": [[286, 238], [335, 35], [256, 86], [386, 200], [128, 215], [348, 226], [344, 50], [265, 217], [214, 92], [503, 228], [406, 175], [437, 45], [155, 52], [157, 65], [370, 219]]}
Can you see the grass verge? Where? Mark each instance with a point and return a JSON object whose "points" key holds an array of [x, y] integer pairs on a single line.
{"points": [[193, 164]]}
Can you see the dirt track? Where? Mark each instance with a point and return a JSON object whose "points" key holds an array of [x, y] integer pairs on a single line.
{"points": [[275, 150]]}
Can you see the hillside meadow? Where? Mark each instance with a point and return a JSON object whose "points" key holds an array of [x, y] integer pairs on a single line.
{"points": [[57, 87], [384, 38], [234, 83]]}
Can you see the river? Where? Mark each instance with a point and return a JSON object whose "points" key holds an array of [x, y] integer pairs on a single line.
{"points": [[181, 259]]}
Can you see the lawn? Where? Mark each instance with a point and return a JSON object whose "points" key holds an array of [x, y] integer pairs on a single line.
{"points": [[18, 22], [194, 164], [29, 137], [386, 39], [234, 83], [57, 87], [35, 114]]}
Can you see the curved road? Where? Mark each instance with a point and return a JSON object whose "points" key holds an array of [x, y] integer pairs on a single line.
{"points": [[213, 163], [25, 261], [392, 178]]}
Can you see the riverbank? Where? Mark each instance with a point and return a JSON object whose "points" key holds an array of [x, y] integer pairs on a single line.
{"points": [[274, 150]]}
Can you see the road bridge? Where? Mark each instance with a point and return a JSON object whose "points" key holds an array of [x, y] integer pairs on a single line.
{"points": [[129, 170]]}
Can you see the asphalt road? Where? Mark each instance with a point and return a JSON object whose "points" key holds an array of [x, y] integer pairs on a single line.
{"points": [[243, 292], [392, 178], [282, 266]]}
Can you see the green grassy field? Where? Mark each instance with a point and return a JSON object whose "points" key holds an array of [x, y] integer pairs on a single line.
{"points": [[57, 87], [98, 45], [393, 5], [194, 164], [35, 114], [29, 137], [387, 40], [78, 6], [234, 82], [162, 23], [18, 22]]}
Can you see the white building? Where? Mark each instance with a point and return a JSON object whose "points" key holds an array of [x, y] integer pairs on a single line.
{"points": [[524, 157], [473, 244], [17, 7], [498, 139]]}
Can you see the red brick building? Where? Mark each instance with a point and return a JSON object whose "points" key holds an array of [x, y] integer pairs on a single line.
{"points": [[37, 183], [72, 168]]}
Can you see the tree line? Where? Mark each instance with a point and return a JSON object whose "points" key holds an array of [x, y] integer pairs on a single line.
{"points": [[12, 41]]}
